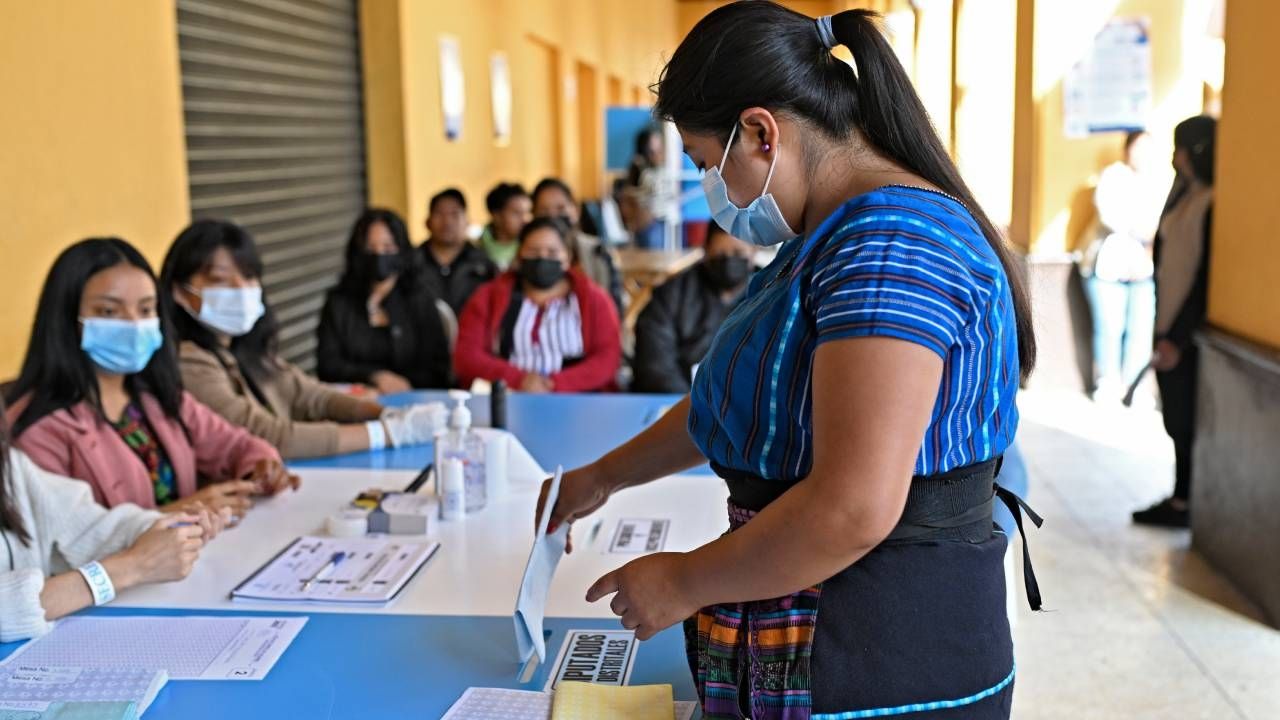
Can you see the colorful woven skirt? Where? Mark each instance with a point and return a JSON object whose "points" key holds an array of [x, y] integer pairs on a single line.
{"points": [[915, 629]]}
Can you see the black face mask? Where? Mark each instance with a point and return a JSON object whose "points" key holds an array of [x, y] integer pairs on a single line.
{"points": [[541, 273], [726, 272], [380, 267]]}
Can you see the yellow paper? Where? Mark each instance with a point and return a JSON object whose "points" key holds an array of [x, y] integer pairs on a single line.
{"points": [[585, 701]]}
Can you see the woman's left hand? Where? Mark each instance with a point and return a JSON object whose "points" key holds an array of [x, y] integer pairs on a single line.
{"points": [[272, 478], [651, 593]]}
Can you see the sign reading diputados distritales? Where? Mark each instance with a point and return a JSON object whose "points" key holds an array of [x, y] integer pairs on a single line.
{"points": [[603, 657]]}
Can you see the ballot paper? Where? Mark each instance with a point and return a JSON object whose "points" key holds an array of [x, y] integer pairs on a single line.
{"points": [[185, 647], [504, 704], [587, 701], [372, 570], [531, 601], [500, 704], [34, 687]]}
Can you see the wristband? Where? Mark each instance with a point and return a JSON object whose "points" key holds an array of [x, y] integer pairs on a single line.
{"points": [[99, 583], [377, 435]]}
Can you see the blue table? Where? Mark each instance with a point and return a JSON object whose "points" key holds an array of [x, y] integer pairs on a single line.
{"points": [[561, 429], [389, 667]]}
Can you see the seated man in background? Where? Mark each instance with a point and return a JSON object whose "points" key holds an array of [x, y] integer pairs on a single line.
{"points": [[509, 210], [452, 267], [676, 327], [553, 198], [542, 326]]}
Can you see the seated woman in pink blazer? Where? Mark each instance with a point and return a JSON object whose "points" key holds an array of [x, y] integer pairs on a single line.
{"points": [[100, 397]]}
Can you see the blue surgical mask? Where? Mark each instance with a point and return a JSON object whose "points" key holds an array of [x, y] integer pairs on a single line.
{"points": [[761, 222], [123, 347]]}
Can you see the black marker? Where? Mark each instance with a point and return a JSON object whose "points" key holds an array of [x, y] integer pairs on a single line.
{"points": [[421, 480]]}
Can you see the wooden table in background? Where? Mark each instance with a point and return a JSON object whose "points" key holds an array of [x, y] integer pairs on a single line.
{"points": [[643, 270]]}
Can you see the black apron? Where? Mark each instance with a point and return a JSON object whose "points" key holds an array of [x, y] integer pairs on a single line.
{"points": [[916, 628]]}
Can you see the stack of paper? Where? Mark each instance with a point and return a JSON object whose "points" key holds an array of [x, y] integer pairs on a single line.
{"points": [[55, 691], [185, 647], [372, 570], [587, 701]]}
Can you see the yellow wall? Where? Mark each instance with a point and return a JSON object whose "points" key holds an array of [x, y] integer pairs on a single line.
{"points": [[93, 140], [1246, 252], [550, 45], [1057, 173]]}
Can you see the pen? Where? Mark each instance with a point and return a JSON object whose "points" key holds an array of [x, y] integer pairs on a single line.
{"points": [[334, 561], [421, 480]]}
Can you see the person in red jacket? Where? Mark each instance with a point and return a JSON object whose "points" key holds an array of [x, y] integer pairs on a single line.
{"points": [[543, 326]]}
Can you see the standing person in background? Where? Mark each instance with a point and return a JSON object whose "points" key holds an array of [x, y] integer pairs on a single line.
{"points": [[1182, 291], [649, 187], [380, 325], [211, 285], [452, 267], [553, 198], [100, 398], [542, 326], [677, 326], [56, 538], [509, 210], [1118, 268]]}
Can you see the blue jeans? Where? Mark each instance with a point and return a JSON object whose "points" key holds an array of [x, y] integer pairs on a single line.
{"points": [[1124, 315]]}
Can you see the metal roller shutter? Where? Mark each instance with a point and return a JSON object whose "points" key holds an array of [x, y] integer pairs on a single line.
{"points": [[275, 139]]}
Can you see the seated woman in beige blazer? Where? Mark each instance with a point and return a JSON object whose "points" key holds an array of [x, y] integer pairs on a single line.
{"points": [[211, 281]]}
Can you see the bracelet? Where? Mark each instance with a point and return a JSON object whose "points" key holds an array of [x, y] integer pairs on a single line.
{"points": [[99, 583], [377, 435]]}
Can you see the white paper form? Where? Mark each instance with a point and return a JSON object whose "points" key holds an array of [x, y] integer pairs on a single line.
{"points": [[531, 601], [22, 684], [187, 648], [373, 570], [500, 704]]}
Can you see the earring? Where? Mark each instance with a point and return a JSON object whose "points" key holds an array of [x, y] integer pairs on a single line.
{"points": [[765, 147]]}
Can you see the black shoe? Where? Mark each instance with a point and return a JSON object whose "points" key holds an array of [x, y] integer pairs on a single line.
{"points": [[1164, 514]]}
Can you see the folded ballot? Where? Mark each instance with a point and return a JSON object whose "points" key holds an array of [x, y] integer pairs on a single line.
{"points": [[531, 601]]}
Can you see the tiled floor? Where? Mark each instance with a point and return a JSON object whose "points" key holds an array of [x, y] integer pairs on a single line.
{"points": [[1138, 625]]}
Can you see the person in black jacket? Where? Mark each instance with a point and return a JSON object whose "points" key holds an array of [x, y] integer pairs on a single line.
{"points": [[1182, 289], [676, 327], [452, 267], [381, 325]]}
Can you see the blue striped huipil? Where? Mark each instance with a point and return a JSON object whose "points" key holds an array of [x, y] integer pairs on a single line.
{"points": [[897, 262], [901, 263]]}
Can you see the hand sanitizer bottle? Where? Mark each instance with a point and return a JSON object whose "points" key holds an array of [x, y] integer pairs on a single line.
{"points": [[466, 445], [453, 491]]}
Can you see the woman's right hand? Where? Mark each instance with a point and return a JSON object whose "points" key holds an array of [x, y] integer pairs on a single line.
{"points": [[389, 383], [167, 551], [234, 496], [535, 383], [582, 492]]}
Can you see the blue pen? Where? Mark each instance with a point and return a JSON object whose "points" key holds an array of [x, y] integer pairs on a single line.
{"points": [[334, 561]]}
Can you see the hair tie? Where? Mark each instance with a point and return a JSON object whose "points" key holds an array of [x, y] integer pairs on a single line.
{"points": [[826, 33]]}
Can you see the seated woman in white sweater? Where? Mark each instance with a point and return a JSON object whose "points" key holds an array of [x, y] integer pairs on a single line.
{"points": [[62, 551]]}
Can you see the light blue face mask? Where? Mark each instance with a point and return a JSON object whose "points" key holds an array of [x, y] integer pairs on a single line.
{"points": [[761, 222], [122, 347]]}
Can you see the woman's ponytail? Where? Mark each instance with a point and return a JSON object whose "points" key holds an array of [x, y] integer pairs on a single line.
{"points": [[894, 120], [791, 69]]}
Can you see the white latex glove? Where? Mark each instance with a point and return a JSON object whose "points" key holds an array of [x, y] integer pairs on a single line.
{"points": [[414, 425]]}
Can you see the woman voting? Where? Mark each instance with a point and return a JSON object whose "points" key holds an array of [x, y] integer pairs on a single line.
{"points": [[857, 401]]}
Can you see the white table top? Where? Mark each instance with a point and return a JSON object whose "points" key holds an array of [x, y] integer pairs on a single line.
{"points": [[478, 568]]}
